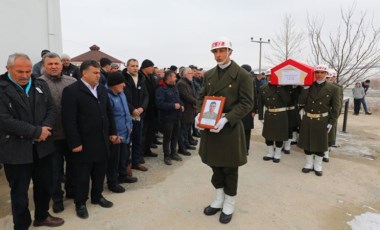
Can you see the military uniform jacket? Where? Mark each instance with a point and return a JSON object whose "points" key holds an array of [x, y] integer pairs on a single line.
{"points": [[227, 148], [275, 123], [318, 99], [332, 133]]}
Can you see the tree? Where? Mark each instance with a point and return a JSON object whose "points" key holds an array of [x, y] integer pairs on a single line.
{"points": [[287, 44], [351, 50]]}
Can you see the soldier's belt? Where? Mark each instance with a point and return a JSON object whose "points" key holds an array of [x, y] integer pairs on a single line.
{"points": [[290, 108], [317, 115], [278, 110]]}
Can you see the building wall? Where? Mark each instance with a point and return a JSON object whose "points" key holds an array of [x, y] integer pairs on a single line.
{"points": [[29, 26]]}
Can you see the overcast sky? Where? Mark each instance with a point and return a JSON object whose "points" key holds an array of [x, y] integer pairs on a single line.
{"points": [[180, 32]]}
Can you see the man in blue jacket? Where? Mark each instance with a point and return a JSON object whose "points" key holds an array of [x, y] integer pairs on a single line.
{"points": [[170, 108], [117, 161]]}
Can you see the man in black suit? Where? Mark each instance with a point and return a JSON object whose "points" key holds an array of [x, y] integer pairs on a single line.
{"points": [[89, 125], [138, 99]]}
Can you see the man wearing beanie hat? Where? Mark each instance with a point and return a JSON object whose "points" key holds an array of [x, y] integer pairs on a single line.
{"points": [[146, 64], [146, 70], [38, 68], [117, 161]]}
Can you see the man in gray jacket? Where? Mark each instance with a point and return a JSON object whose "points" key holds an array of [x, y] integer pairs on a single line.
{"points": [[56, 81]]}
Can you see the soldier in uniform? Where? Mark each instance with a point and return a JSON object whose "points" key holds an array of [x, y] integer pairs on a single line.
{"points": [[223, 147], [321, 102], [275, 131], [330, 78]]}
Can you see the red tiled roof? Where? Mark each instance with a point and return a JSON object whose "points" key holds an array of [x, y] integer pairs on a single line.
{"points": [[94, 54]]}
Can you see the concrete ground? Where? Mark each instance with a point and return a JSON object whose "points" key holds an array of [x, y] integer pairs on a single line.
{"points": [[270, 196]]}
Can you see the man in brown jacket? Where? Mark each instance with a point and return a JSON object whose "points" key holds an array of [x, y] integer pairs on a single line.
{"points": [[223, 148]]}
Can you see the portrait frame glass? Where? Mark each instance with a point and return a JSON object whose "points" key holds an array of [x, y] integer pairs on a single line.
{"points": [[211, 112]]}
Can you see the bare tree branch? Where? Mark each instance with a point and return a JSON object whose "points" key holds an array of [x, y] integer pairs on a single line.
{"points": [[351, 50]]}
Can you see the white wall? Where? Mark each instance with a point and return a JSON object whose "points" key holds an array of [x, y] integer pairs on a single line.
{"points": [[29, 26]]}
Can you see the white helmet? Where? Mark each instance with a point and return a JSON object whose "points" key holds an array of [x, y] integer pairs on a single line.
{"points": [[322, 68], [267, 72], [221, 42], [333, 73]]}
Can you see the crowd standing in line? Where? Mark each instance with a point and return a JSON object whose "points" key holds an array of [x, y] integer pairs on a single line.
{"points": [[65, 124]]}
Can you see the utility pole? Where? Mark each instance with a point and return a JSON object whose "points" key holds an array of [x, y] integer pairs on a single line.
{"points": [[260, 41]]}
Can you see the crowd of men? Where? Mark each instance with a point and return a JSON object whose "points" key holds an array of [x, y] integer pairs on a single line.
{"points": [[80, 125], [95, 123]]}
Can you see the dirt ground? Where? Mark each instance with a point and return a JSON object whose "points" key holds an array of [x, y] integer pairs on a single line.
{"points": [[270, 196]]}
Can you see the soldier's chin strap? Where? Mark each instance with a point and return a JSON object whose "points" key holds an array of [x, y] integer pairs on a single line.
{"points": [[221, 64]]}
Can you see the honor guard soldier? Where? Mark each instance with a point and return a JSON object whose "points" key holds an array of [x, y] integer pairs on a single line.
{"points": [[321, 102], [223, 148], [275, 131], [330, 78]]}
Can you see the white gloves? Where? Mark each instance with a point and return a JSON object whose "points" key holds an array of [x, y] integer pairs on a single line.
{"points": [[329, 126], [197, 122], [219, 126], [306, 87]]}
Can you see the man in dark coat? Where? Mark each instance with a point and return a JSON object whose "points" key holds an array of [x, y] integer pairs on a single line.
{"points": [[321, 102], [188, 97], [249, 118], [150, 117], [89, 125], [170, 107], [68, 68], [27, 116], [137, 98], [223, 148]]}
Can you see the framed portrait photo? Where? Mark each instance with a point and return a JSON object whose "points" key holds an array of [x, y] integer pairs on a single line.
{"points": [[211, 112]]}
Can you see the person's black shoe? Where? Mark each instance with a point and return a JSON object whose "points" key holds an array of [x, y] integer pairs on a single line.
{"points": [[368, 113], [153, 146], [318, 173], [224, 218], [103, 203], [185, 153], [128, 179], [326, 159], [175, 157], [117, 189], [265, 158], [286, 151], [196, 134], [70, 196], [193, 142], [157, 142], [306, 170], [81, 211], [58, 207], [293, 143], [167, 161], [209, 211], [150, 154], [275, 160], [191, 147]]}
